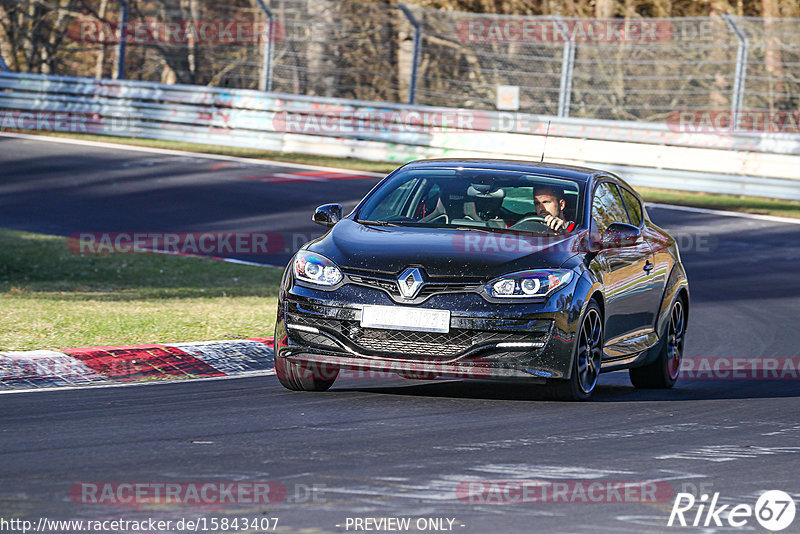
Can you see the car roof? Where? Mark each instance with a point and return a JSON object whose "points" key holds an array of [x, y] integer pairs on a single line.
{"points": [[582, 174]]}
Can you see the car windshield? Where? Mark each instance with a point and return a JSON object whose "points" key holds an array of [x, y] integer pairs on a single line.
{"points": [[503, 201]]}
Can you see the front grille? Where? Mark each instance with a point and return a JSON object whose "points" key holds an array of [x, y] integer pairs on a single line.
{"points": [[428, 289], [408, 342], [401, 343]]}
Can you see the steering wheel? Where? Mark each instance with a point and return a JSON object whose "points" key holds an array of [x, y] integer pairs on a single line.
{"points": [[531, 218]]}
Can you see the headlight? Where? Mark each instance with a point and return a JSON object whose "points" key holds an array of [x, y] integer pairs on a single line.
{"points": [[537, 283], [315, 269]]}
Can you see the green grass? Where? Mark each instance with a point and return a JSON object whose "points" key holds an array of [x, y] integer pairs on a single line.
{"points": [[53, 298], [766, 206]]}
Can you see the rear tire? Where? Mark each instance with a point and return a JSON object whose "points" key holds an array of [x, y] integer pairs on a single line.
{"points": [[663, 372], [299, 377], [586, 363]]}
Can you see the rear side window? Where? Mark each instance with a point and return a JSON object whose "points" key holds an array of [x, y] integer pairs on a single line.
{"points": [[633, 205], [607, 207]]}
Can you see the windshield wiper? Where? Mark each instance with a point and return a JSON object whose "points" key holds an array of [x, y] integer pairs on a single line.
{"points": [[487, 229], [376, 223]]}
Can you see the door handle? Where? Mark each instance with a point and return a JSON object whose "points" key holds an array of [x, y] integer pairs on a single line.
{"points": [[648, 266]]}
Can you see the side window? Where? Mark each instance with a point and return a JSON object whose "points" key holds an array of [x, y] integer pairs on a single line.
{"points": [[633, 205], [607, 207], [394, 203]]}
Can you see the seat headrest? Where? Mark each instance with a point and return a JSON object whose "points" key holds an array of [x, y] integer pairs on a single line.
{"points": [[485, 191]]}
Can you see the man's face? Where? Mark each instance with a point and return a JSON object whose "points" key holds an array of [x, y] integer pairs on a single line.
{"points": [[547, 204]]}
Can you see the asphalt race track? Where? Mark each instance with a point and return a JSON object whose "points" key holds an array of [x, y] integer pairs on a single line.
{"points": [[373, 448], [65, 189]]}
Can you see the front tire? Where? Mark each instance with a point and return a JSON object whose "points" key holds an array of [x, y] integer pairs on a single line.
{"points": [[663, 372], [586, 363], [299, 377]]}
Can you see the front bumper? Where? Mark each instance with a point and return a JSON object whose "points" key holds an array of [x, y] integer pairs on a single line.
{"points": [[507, 341]]}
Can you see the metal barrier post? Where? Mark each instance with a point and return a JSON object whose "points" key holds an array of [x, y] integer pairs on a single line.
{"points": [[265, 84], [741, 67], [123, 38], [412, 84], [3, 66], [565, 89]]}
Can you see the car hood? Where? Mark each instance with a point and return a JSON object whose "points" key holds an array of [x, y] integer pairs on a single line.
{"points": [[441, 252]]}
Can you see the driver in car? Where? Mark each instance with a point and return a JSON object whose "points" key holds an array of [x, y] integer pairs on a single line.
{"points": [[549, 203]]}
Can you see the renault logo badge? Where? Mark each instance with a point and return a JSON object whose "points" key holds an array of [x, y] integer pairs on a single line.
{"points": [[409, 282]]}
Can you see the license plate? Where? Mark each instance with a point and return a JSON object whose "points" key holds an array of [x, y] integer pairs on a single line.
{"points": [[400, 318]]}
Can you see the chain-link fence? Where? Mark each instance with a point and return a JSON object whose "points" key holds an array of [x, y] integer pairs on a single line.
{"points": [[635, 69], [772, 72]]}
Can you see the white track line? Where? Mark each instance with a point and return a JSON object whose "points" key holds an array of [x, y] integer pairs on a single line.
{"points": [[98, 144]]}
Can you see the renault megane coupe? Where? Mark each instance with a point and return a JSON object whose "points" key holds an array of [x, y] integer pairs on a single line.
{"points": [[491, 269]]}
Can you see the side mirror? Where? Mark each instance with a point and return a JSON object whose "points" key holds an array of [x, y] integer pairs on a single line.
{"points": [[328, 214], [619, 235]]}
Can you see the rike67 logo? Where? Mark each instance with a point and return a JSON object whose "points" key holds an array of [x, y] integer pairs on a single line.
{"points": [[774, 510]]}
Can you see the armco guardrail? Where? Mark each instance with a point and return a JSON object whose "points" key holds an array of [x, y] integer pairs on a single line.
{"points": [[644, 153]]}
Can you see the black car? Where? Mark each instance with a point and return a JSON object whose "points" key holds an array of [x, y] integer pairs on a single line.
{"points": [[491, 269]]}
